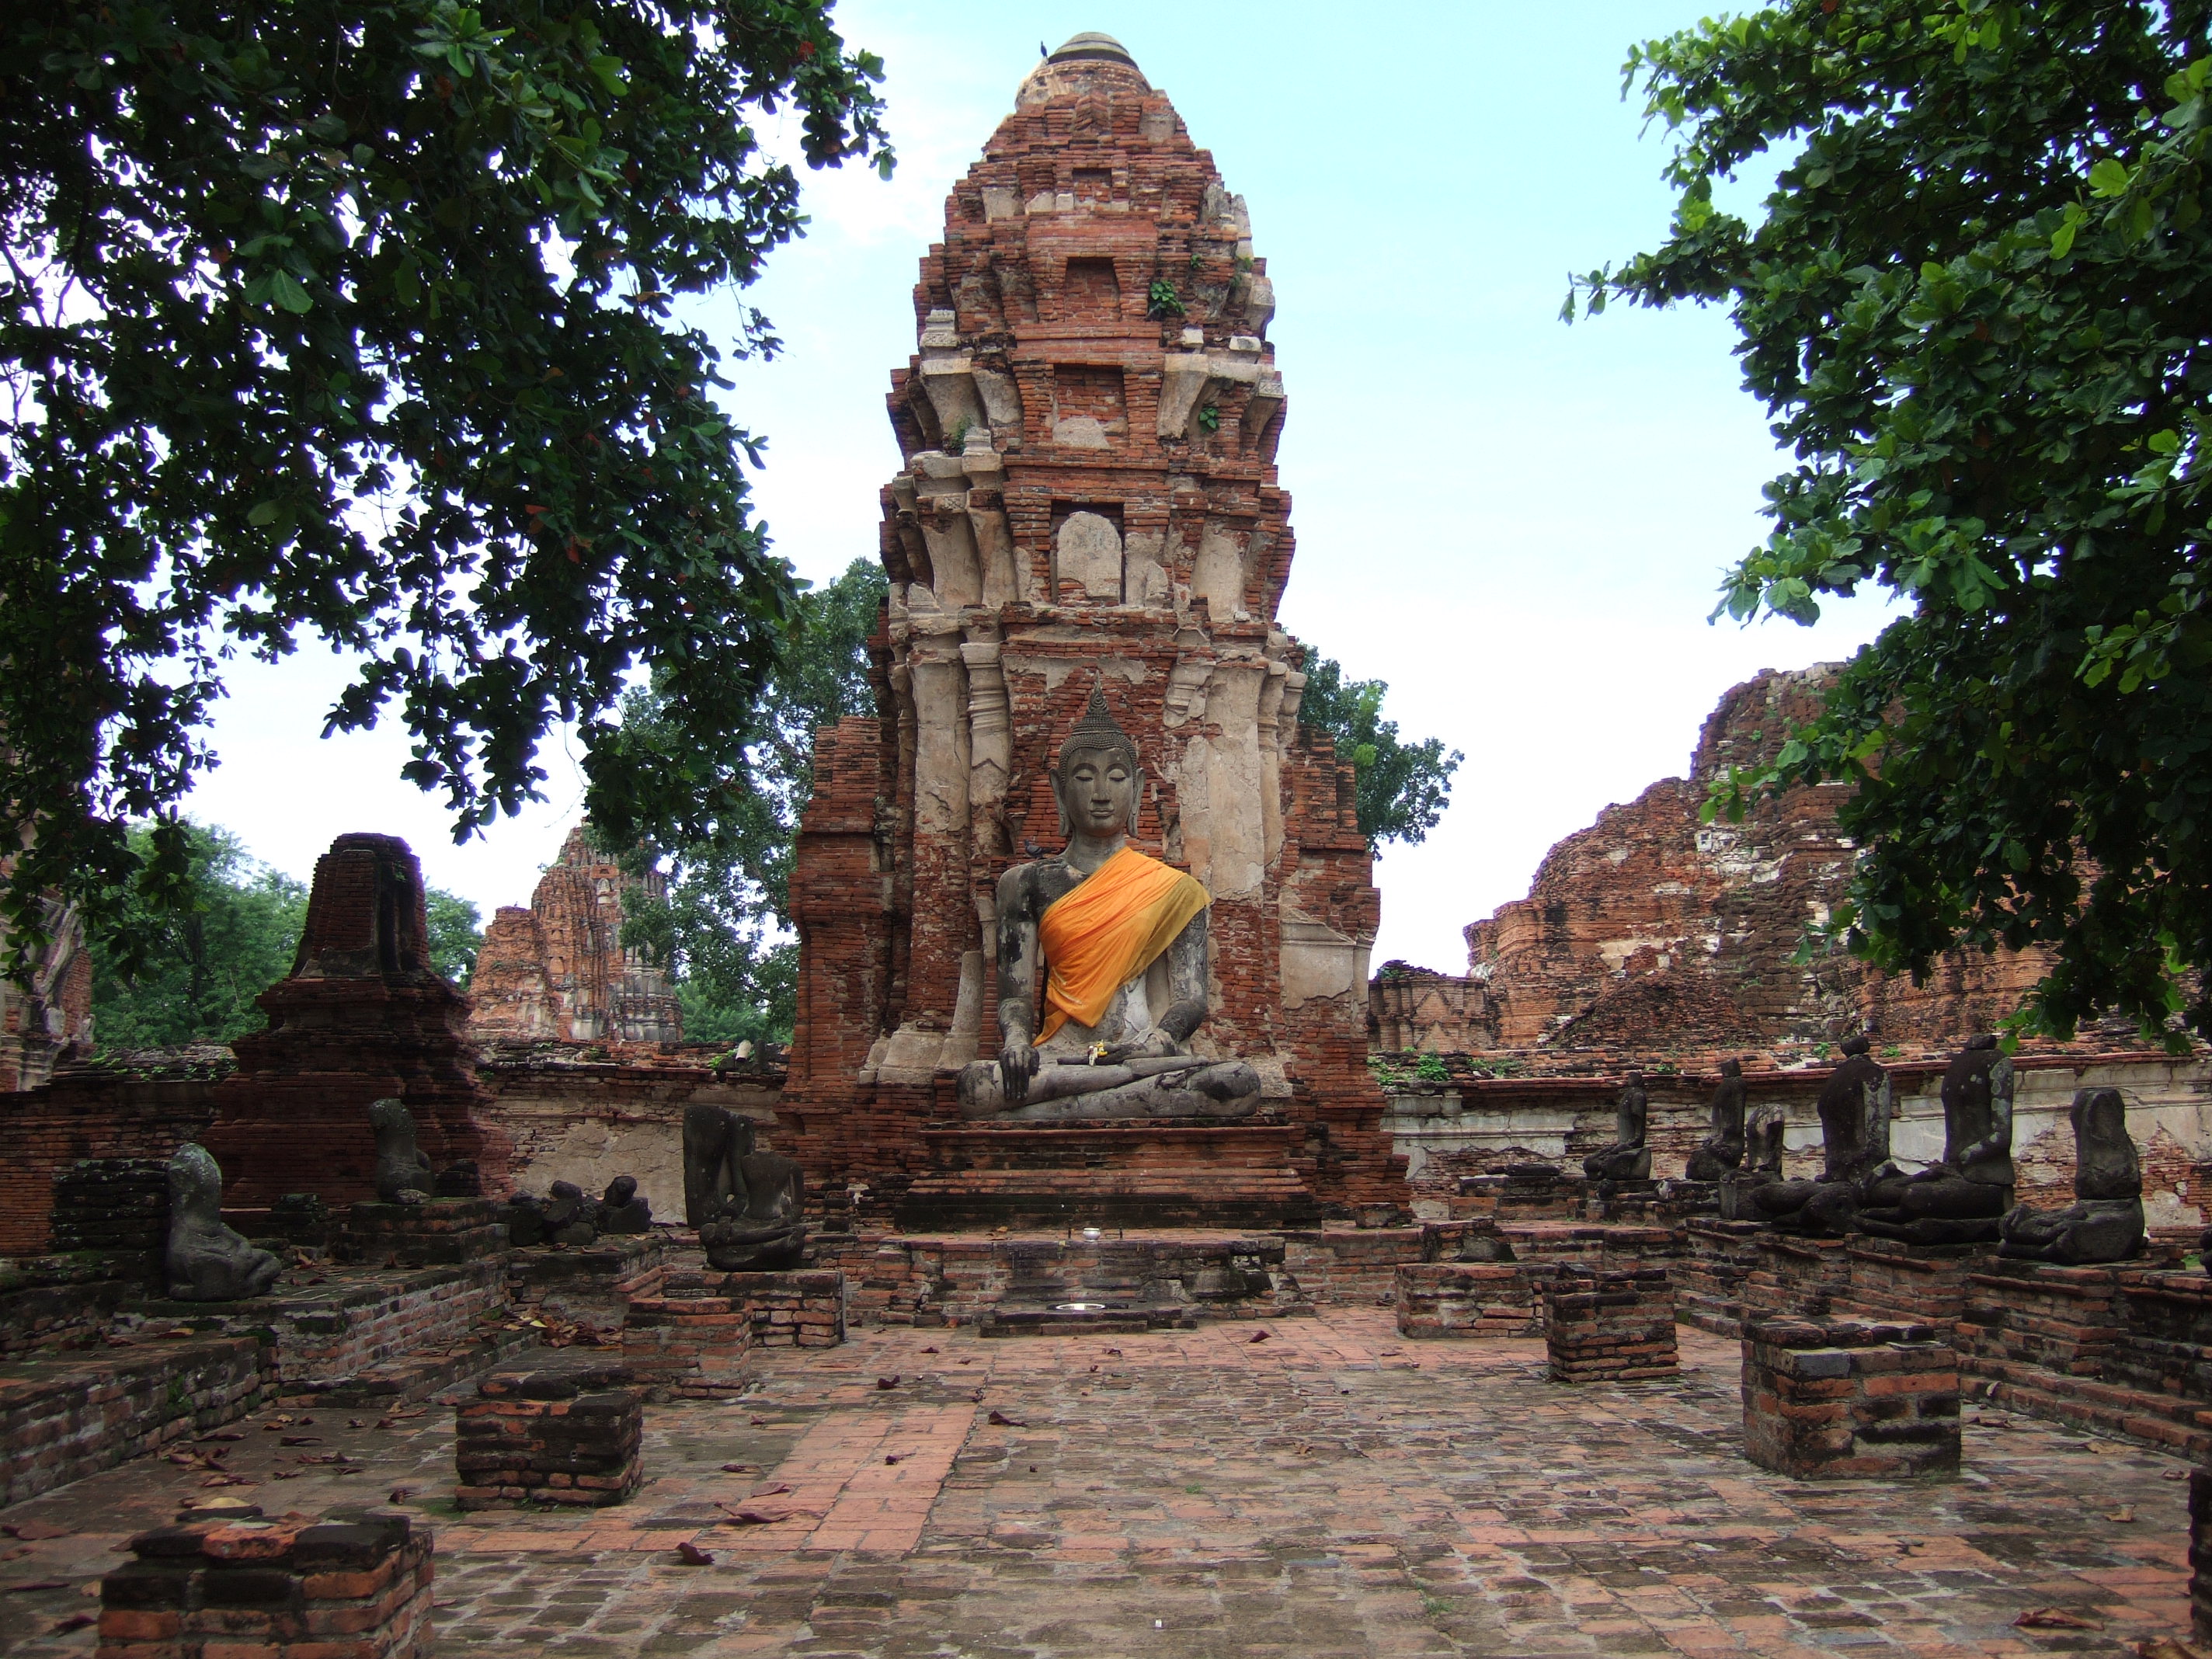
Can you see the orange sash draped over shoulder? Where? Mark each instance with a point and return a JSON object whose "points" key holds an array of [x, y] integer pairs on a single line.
{"points": [[1107, 930]]}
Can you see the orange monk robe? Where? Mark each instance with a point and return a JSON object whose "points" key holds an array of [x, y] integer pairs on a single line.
{"points": [[1107, 929]]}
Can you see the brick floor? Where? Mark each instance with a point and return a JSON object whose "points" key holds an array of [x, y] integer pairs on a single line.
{"points": [[1329, 1490]]}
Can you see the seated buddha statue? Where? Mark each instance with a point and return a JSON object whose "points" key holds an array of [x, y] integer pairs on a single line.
{"points": [[1960, 1199], [1116, 941]]}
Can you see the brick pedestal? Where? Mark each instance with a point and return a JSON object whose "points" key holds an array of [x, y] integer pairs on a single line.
{"points": [[1615, 1325], [1717, 1260], [251, 1589], [440, 1233], [1794, 1275], [1467, 1299], [1840, 1398], [1920, 1283], [689, 1343], [566, 1435]]}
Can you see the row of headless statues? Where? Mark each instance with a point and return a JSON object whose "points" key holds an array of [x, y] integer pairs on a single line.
{"points": [[747, 1203], [1965, 1199]]}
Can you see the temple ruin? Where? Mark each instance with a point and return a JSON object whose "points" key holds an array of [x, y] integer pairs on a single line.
{"points": [[558, 970], [1527, 1309], [1089, 503]]}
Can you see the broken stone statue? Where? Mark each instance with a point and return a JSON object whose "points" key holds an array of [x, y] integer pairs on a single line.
{"points": [[1119, 939], [1629, 1159], [2106, 1221], [207, 1262], [1855, 1105], [1763, 1142], [1723, 1148], [1961, 1199], [747, 1203], [623, 1209], [402, 1174]]}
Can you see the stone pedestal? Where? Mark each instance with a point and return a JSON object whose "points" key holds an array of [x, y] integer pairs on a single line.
{"points": [[687, 1343], [1920, 1284], [440, 1233], [564, 1434], [593, 1285], [1833, 1398], [2064, 1319], [1467, 1299], [1161, 1174], [1718, 1259], [1615, 1325], [357, 1588]]}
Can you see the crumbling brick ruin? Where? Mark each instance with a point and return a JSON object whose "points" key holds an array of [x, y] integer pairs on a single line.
{"points": [[558, 971], [52, 1020], [1089, 498], [363, 1016], [1652, 931]]}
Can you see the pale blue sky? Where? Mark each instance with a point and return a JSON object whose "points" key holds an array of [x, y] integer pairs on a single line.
{"points": [[1518, 524]]}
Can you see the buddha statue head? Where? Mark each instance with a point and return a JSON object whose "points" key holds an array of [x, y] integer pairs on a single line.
{"points": [[1098, 781]]}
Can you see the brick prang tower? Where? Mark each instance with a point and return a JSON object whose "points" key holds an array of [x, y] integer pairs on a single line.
{"points": [[1089, 498]]}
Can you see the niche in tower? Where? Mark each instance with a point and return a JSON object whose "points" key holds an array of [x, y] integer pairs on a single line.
{"points": [[1090, 292], [1086, 551]]}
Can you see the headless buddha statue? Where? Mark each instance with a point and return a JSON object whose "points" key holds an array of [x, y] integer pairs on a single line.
{"points": [[1958, 1199], [1119, 940]]}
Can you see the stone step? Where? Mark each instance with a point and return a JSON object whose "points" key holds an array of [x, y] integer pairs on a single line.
{"points": [[418, 1376], [2168, 1422], [1017, 1319]]}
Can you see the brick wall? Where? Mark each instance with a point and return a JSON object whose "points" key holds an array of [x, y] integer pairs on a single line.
{"points": [[1609, 1324]]}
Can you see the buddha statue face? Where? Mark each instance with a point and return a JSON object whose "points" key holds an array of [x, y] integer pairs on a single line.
{"points": [[1097, 791], [1098, 779]]}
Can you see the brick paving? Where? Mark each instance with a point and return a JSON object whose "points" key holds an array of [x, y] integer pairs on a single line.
{"points": [[1328, 1490]]}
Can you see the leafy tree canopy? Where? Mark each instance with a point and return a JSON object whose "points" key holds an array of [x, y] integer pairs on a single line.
{"points": [[198, 968], [724, 925], [1978, 305], [1403, 787], [354, 322]]}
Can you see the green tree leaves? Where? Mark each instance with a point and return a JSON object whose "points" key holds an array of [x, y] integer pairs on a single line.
{"points": [[353, 322], [1976, 307], [723, 928], [1403, 787]]}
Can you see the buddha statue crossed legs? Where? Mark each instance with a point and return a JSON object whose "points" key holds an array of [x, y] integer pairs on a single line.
{"points": [[1119, 940]]}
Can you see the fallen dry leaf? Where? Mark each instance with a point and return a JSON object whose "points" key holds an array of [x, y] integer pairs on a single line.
{"points": [[16, 1554], [300, 1440], [39, 1584], [1002, 1420], [740, 1468], [2123, 1513], [756, 1517], [224, 1434], [2164, 1647], [31, 1531], [75, 1621], [756, 1421], [2054, 1619], [1259, 1336], [769, 1492], [887, 1382], [286, 1474], [227, 1480], [691, 1555], [401, 1494], [357, 1422], [929, 1351], [1116, 1352], [894, 1457]]}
